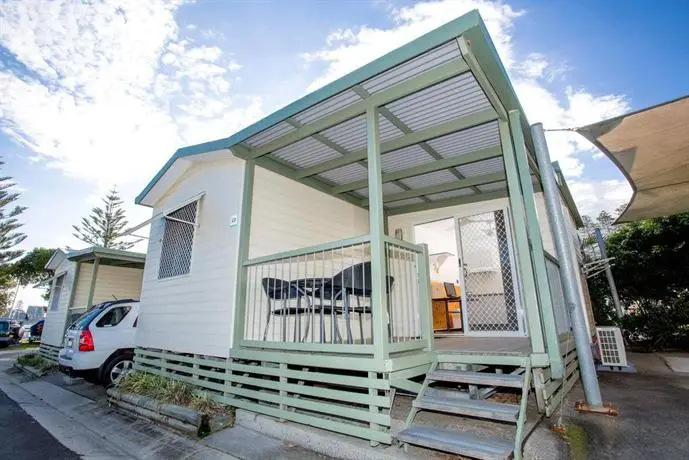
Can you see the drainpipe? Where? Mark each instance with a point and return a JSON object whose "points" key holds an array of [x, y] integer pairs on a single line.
{"points": [[567, 268], [608, 273]]}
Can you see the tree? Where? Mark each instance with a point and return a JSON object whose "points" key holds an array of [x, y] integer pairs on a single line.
{"points": [[10, 237], [30, 269], [105, 225]]}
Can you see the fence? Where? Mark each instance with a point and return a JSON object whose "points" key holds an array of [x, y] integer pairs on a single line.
{"points": [[319, 298]]}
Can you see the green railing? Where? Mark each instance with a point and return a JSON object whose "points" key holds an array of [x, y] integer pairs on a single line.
{"points": [[318, 298]]}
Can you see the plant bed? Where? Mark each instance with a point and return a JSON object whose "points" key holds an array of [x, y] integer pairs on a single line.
{"points": [[34, 365], [170, 402]]}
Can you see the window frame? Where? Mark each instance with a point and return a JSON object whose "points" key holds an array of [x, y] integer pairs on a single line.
{"points": [[55, 301], [110, 310], [165, 216]]}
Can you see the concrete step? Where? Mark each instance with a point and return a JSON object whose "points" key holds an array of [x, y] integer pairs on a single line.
{"points": [[458, 442], [477, 378], [469, 407]]}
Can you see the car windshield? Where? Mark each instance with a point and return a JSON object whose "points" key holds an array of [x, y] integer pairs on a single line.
{"points": [[4, 326], [84, 320]]}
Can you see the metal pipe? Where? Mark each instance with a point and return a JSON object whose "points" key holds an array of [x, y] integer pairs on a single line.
{"points": [[608, 273], [567, 268]]}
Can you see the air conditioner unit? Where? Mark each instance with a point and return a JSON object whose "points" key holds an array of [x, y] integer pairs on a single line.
{"points": [[612, 352]]}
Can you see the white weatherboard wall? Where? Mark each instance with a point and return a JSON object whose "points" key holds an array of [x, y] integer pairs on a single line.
{"points": [[111, 283], [54, 325], [289, 215], [193, 313]]}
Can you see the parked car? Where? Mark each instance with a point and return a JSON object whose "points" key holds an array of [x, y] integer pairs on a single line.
{"points": [[35, 331], [6, 338], [99, 346]]}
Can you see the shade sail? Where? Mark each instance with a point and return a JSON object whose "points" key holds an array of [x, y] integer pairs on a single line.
{"points": [[651, 148]]}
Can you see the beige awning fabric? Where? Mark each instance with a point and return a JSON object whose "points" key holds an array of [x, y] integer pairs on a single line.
{"points": [[651, 148]]}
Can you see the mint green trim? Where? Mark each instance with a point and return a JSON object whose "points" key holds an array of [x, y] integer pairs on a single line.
{"points": [[425, 302], [310, 249], [467, 158], [105, 253], [567, 196], [243, 252], [398, 347], [521, 420], [526, 282], [403, 244], [448, 202], [360, 349], [377, 229], [311, 359], [485, 359], [456, 124], [537, 252], [454, 185]]}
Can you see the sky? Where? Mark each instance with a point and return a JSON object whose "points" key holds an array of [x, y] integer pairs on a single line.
{"points": [[95, 94]]}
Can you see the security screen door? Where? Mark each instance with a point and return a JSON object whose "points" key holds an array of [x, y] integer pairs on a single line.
{"points": [[490, 294]]}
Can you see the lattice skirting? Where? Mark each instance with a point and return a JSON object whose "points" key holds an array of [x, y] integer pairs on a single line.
{"points": [[356, 403], [49, 352]]}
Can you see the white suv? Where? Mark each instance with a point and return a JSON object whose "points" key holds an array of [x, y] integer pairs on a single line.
{"points": [[99, 346]]}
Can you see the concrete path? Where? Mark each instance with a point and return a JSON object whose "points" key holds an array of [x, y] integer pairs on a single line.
{"points": [[654, 413]]}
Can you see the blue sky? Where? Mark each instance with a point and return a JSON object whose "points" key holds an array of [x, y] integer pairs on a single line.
{"points": [[95, 94]]}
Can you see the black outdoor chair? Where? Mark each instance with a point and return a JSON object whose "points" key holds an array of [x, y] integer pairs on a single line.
{"points": [[352, 281], [281, 290]]}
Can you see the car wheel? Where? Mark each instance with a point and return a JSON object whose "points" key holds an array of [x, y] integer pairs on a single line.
{"points": [[117, 368]]}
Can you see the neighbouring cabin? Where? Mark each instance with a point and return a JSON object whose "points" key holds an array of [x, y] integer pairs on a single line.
{"points": [[84, 278], [384, 234]]}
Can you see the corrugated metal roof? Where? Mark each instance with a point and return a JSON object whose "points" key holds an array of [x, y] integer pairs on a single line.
{"points": [[458, 96], [397, 204], [466, 141], [426, 180], [451, 194], [351, 134], [494, 187], [407, 157], [345, 174], [330, 105], [269, 134], [489, 166], [388, 188], [423, 63], [306, 153]]}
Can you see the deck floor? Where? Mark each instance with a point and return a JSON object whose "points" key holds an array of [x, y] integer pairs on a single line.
{"points": [[501, 345]]}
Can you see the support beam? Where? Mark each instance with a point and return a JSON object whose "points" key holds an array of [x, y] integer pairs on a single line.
{"points": [[533, 228], [608, 273], [437, 75], [243, 253], [73, 290], [92, 286], [446, 187], [460, 200], [481, 77], [568, 268], [456, 124], [376, 229], [399, 124], [445, 163], [526, 281]]}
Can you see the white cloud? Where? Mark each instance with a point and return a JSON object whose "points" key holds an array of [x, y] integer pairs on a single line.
{"points": [[532, 75], [593, 196], [113, 88]]}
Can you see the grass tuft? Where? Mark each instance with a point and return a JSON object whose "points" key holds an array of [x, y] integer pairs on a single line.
{"points": [[170, 391], [36, 361]]}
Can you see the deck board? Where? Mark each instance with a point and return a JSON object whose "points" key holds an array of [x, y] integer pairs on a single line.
{"points": [[500, 345]]}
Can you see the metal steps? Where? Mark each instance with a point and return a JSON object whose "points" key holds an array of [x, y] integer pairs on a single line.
{"points": [[464, 397], [477, 378], [457, 442], [469, 407]]}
